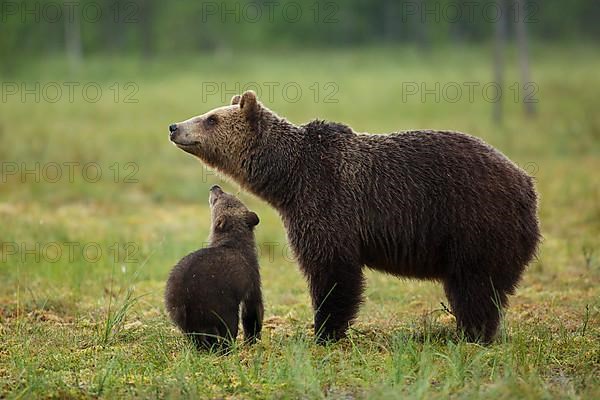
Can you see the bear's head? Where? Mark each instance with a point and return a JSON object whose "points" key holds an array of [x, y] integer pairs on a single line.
{"points": [[222, 137], [229, 214]]}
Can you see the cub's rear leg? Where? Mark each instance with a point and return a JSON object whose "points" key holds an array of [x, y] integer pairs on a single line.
{"points": [[217, 337], [228, 330], [204, 338]]}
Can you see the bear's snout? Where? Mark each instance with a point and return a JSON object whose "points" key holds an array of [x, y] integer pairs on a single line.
{"points": [[215, 193]]}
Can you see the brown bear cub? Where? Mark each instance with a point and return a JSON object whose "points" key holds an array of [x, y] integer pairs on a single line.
{"points": [[205, 289], [437, 205]]}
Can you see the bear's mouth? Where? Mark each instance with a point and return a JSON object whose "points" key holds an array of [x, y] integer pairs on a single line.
{"points": [[189, 147], [193, 143]]}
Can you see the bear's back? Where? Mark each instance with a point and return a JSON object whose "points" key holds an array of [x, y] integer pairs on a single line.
{"points": [[205, 283]]}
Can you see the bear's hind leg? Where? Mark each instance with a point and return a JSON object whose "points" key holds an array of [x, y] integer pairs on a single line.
{"points": [[228, 329], [336, 296], [477, 305], [204, 339], [216, 334]]}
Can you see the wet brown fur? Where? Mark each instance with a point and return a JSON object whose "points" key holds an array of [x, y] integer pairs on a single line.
{"points": [[205, 289], [436, 205]]}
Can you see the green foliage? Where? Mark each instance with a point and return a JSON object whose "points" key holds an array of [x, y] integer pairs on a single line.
{"points": [[32, 29]]}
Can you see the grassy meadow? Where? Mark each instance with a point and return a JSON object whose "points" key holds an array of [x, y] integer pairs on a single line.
{"points": [[96, 206]]}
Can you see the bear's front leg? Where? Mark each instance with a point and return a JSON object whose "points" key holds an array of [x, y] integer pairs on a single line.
{"points": [[336, 292], [252, 314]]}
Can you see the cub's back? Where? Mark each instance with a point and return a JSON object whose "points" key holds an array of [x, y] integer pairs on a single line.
{"points": [[205, 282]]}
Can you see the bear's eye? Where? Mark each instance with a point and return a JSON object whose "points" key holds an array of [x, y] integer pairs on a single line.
{"points": [[211, 120]]}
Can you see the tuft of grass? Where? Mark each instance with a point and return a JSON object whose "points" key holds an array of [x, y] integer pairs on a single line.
{"points": [[115, 318]]}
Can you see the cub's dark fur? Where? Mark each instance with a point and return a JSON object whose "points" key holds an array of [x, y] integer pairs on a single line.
{"points": [[205, 289], [434, 205]]}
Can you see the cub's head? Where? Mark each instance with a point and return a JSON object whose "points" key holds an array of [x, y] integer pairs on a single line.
{"points": [[229, 214], [222, 137]]}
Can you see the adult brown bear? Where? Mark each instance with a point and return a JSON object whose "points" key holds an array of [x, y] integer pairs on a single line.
{"points": [[425, 204]]}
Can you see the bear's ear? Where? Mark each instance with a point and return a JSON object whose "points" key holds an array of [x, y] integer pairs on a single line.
{"points": [[252, 219], [249, 103], [221, 224], [236, 99]]}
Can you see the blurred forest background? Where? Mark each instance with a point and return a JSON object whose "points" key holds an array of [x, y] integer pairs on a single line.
{"points": [[154, 28]]}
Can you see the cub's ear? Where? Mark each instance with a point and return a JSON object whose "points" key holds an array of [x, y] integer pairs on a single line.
{"points": [[221, 224], [236, 99], [252, 219], [249, 102]]}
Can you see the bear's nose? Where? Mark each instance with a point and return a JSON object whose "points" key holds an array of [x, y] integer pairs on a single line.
{"points": [[172, 128], [215, 188]]}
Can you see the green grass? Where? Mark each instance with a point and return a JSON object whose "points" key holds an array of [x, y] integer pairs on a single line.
{"points": [[86, 325]]}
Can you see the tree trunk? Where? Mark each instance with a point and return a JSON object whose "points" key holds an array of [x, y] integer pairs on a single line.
{"points": [[523, 56], [146, 31], [499, 44], [73, 38], [422, 38]]}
